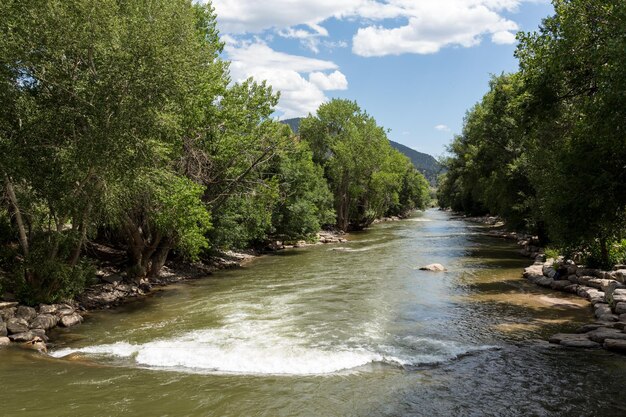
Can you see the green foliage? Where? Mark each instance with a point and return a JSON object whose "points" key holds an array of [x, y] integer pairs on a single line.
{"points": [[545, 148], [365, 174]]}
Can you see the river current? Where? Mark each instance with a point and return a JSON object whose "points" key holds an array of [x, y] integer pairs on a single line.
{"points": [[354, 329]]}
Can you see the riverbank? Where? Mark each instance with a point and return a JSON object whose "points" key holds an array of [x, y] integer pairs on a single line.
{"points": [[604, 290], [29, 327]]}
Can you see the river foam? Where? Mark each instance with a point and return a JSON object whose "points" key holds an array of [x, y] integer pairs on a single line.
{"points": [[195, 353]]}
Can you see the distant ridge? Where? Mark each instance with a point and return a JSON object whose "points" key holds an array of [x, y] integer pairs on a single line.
{"points": [[425, 163]]}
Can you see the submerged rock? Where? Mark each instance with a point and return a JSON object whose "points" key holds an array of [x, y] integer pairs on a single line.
{"points": [[433, 268], [575, 340], [615, 345], [599, 335]]}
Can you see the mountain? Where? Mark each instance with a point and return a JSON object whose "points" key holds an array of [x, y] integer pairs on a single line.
{"points": [[424, 163]]}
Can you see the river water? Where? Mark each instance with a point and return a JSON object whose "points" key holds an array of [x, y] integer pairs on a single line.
{"points": [[347, 330]]}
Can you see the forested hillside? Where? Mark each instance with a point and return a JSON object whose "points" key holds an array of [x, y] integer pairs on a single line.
{"points": [[424, 163], [546, 147], [120, 125]]}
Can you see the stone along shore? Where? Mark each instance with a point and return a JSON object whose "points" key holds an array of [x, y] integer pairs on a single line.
{"points": [[605, 290]]}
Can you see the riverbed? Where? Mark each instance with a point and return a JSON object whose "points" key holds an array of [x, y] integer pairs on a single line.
{"points": [[354, 329]]}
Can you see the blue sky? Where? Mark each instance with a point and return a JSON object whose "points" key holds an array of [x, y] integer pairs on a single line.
{"points": [[415, 65]]}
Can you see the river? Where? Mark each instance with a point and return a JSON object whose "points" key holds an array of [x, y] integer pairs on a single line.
{"points": [[354, 329]]}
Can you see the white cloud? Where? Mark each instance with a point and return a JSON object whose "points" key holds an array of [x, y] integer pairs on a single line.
{"points": [[503, 38], [428, 25], [332, 81], [435, 25], [286, 73], [442, 128]]}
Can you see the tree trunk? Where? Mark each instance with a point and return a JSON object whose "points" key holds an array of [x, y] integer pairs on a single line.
{"points": [[158, 258], [18, 215], [604, 253]]}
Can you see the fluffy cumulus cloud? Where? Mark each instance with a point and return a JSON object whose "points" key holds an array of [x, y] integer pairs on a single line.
{"points": [[387, 27], [432, 25], [300, 80], [442, 128]]}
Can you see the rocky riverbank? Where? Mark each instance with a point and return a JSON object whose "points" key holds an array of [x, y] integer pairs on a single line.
{"points": [[29, 327], [605, 291]]}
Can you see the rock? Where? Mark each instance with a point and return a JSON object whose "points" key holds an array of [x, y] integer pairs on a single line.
{"points": [[584, 279], [65, 311], [620, 308], [37, 343], [533, 270], [589, 327], [39, 333], [5, 341], [602, 309], [571, 269], [600, 334], [7, 313], [549, 271], [48, 308], [22, 337], [26, 313], [560, 285], [3, 329], [544, 281], [112, 279], [620, 325], [145, 287], [573, 279], [607, 317], [620, 275], [622, 317], [572, 288], [581, 344], [71, 320], [17, 325], [576, 340], [433, 268], [44, 321], [589, 272], [7, 304], [615, 345]]}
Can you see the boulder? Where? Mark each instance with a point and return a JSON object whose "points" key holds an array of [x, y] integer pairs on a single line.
{"points": [[549, 271], [615, 345], [544, 281], [7, 313], [560, 285], [532, 270], [620, 308], [44, 321], [572, 288], [26, 313], [71, 320], [575, 340], [16, 325], [433, 268], [589, 327], [22, 337], [602, 309], [573, 279], [3, 329], [39, 333], [589, 272], [7, 304], [48, 308], [65, 311], [599, 335], [620, 275], [5, 341]]}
